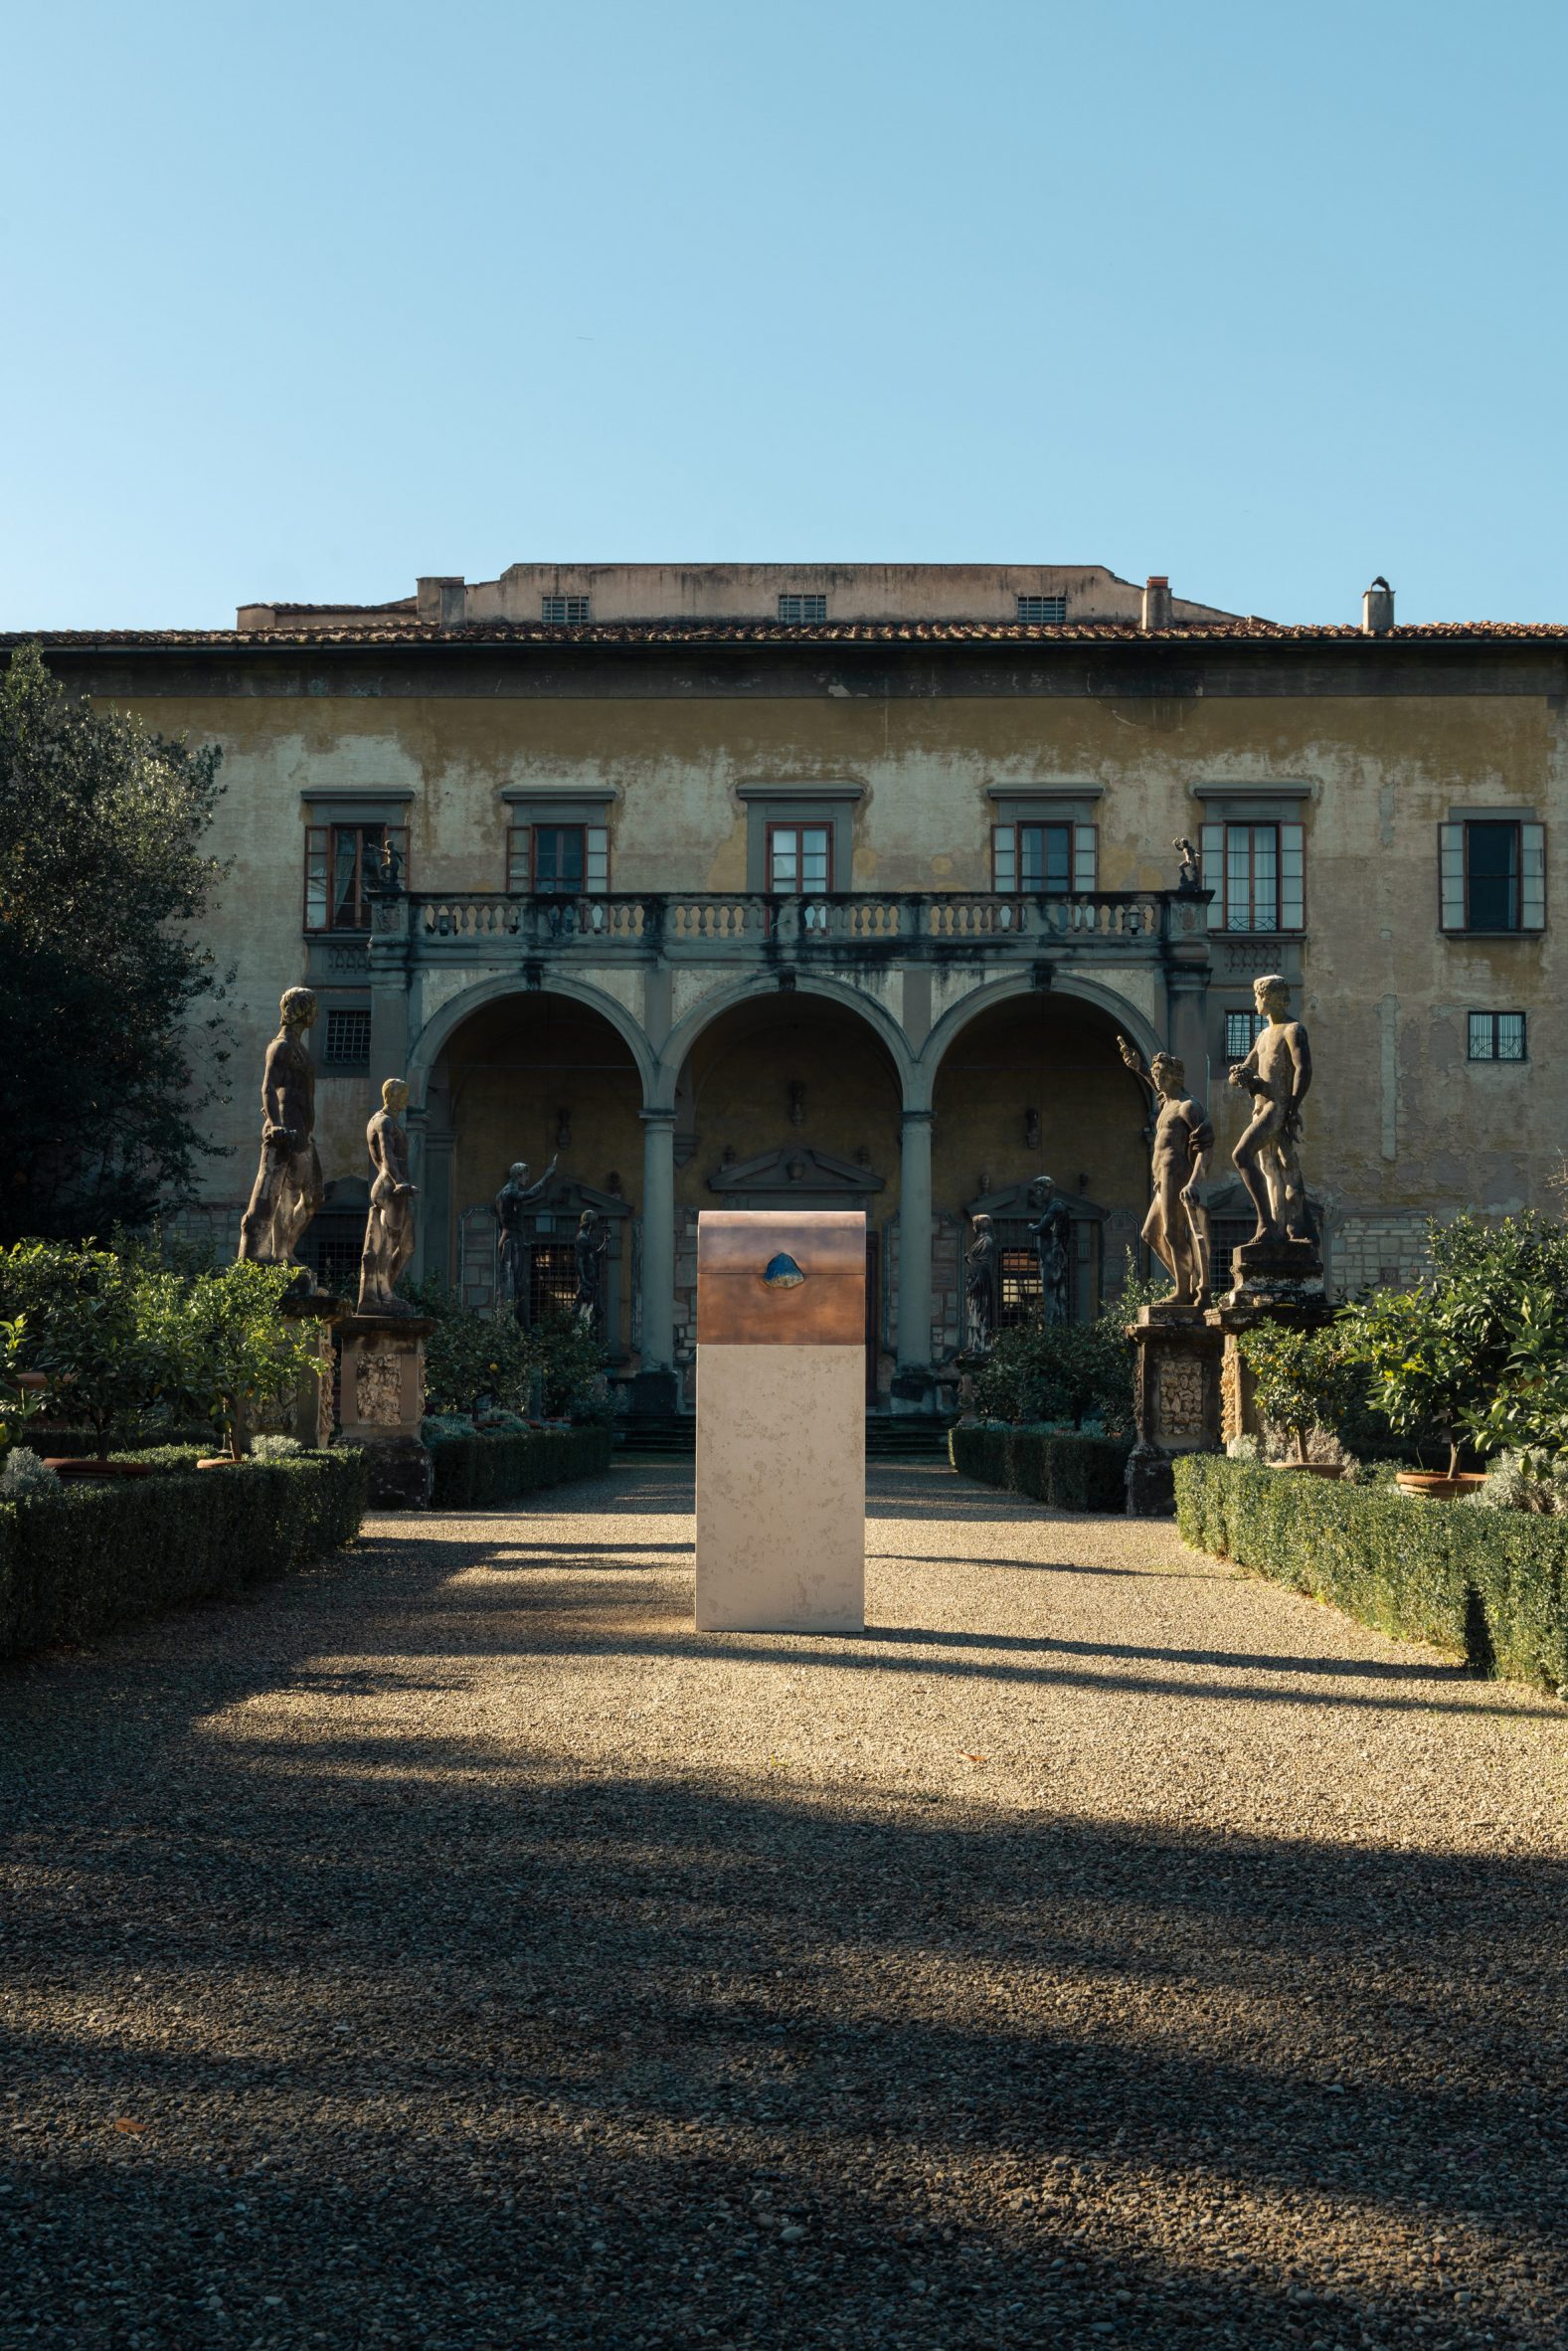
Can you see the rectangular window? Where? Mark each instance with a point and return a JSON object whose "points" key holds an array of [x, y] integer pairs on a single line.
{"points": [[802, 608], [800, 864], [348, 1036], [552, 1282], [1020, 1271], [565, 612], [1042, 608], [557, 860], [1044, 861], [1258, 875], [1242, 1031], [1492, 875], [342, 871], [1497, 1037]]}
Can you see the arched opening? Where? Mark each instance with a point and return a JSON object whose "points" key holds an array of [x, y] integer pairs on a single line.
{"points": [[535, 1077], [789, 1099], [1030, 1086]]}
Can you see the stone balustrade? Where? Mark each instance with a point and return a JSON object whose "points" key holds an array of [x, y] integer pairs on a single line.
{"points": [[708, 926]]}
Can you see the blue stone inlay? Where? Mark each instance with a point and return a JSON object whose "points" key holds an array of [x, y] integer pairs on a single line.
{"points": [[783, 1273]]}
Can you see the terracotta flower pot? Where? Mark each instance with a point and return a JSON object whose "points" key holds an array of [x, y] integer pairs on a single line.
{"points": [[218, 1461], [1436, 1485], [88, 1466]]}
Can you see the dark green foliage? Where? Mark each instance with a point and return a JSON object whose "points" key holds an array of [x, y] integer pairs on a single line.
{"points": [[471, 1355], [1068, 1371], [1488, 1584], [100, 878], [473, 1470], [100, 1554], [1070, 1473]]}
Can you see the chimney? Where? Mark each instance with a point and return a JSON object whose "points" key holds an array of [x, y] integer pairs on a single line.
{"points": [[1156, 601], [1377, 608], [442, 601]]}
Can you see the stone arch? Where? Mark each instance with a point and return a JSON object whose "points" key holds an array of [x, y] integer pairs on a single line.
{"points": [[702, 1017], [444, 1025], [1000, 992]]}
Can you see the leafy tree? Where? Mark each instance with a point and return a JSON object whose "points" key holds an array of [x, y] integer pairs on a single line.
{"points": [[233, 1350], [101, 876], [83, 1324], [1306, 1379]]}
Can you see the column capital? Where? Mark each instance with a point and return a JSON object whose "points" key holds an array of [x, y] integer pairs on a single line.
{"points": [[917, 1116], [657, 1118]]}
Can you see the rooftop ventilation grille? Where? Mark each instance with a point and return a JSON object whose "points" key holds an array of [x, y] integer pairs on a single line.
{"points": [[802, 608], [1042, 608], [564, 611]]}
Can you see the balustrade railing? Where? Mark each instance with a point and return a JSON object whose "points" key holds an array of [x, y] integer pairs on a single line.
{"points": [[699, 924]]}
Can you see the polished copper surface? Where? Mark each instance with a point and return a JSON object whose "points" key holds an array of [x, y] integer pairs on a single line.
{"points": [[734, 1305]]}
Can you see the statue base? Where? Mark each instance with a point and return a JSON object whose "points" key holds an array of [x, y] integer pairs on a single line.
{"points": [[383, 1404], [1301, 1305], [1285, 1270], [310, 1415], [1175, 1400]]}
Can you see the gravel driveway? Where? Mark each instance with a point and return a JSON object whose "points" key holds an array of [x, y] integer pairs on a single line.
{"points": [[450, 1949]]}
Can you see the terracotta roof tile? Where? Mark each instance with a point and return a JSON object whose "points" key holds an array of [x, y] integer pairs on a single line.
{"points": [[825, 634]]}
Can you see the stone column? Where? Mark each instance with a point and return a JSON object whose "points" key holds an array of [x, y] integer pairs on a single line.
{"points": [[389, 948], [1187, 993], [658, 1241], [913, 1255]]}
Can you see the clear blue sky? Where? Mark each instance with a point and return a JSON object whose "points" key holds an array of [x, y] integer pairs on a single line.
{"points": [[302, 301]]}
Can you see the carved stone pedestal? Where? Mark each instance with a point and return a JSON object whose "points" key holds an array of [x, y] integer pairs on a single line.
{"points": [[1274, 1274], [1176, 1401], [383, 1404], [310, 1415]]}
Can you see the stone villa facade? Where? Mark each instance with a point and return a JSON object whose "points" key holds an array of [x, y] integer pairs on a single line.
{"points": [[750, 885]]}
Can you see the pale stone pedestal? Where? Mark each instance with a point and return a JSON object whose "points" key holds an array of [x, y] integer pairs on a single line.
{"points": [[1271, 1282], [1176, 1401], [383, 1404], [780, 1489], [780, 1421]]}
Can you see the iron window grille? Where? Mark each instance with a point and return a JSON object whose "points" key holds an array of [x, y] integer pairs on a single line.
{"points": [[1497, 1037], [343, 871], [331, 1245], [802, 608], [1258, 875], [1242, 1031], [552, 1282], [1492, 875], [565, 612], [348, 1036], [1037, 609]]}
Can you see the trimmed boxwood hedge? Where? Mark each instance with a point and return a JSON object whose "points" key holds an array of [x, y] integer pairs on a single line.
{"points": [[100, 1554], [1490, 1584], [1067, 1471], [473, 1470]]}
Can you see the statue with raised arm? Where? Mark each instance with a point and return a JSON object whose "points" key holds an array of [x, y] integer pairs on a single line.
{"points": [[288, 1189], [512, 1204], [389, 1226], [1189, 873], [1277, 1073], [982, 1288], [1176, 1227], [1052, 1235]]}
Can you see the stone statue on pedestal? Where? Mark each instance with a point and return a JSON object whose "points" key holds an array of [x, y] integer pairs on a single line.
{"points": [[1052, 1235], [1176, 1227], [389, 1228], [1189, 873], [512, 1204], [982, 1288], [1277, 1073], [288, 1189], [589, 1245]]}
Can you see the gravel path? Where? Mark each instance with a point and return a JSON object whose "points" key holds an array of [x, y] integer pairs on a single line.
{"points": [[451, 1948]]}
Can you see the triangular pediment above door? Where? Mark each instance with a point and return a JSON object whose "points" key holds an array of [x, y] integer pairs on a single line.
{"points": [[795, 1173]]}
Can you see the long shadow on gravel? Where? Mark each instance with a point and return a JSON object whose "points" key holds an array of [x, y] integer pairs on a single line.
{"points": [[388, 2041]]}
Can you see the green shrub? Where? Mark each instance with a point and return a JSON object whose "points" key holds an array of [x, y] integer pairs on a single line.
{"points": [[1306, 1379], [1489, 1584], [100, 1554], [473, 1358], [473, 1470], [1066, 1470]]}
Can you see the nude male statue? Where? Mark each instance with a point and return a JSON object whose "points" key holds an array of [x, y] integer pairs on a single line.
{"points": [[1277, 1073], [587, 1259], [288, 1189], [389, 1228], [512, 1202], [1176, 1227]]}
